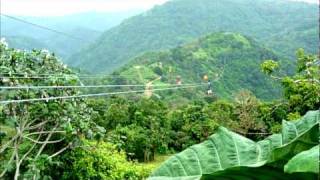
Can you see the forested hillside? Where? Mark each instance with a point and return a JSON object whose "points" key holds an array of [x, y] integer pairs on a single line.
{"points": [[230, 60], [283, 26], [189, 90], [50, 129], [87, 26]]}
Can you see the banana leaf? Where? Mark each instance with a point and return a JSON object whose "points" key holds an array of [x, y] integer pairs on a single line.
{"points": [[227, 150], [306, 161]]}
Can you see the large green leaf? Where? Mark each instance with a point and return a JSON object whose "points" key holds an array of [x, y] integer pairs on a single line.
{"points": [[226, 149], [260, 173], [306, 161]]}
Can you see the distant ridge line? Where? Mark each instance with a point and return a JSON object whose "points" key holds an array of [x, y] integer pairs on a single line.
{"points": [[43, 27]]}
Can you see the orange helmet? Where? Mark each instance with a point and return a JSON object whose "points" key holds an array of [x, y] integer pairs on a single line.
{"points": [[205, 77]]}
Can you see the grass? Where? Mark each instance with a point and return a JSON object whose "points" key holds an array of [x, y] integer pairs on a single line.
{"points": [[158, 160]]}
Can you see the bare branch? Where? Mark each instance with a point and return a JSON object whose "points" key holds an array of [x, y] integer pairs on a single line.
{"points": [[47, 139], [308, 80], [36, 126], [60, 151], [44, 142], [44, 132], [16, 152], [30, 150], [275, 77], [44, 145]]}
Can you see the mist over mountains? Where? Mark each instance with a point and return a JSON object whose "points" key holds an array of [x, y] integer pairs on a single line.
{"points": [[87, 26]]}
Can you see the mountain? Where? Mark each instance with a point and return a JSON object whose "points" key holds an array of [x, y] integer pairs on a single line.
{"points": [[85, 26], [231, 60], [24, 42], [281, 25]]}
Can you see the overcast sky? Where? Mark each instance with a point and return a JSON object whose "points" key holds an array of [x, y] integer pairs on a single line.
{"points": [[63, 7]]}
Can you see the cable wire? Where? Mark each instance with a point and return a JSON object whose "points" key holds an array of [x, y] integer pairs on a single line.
{"points": [[49, 76], [43, 27], [61, 75], [91, 95], [90, 86]]}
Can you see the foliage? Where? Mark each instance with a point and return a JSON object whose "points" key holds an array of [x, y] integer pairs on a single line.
{"points": [[304, 162], [282, 26], [223, 64], [101, 160], [42, 130], [145, 127], [139, 126], [302, 90], [269, 66], [247, 111], [225, 150], [190, 124], [47, 140]]}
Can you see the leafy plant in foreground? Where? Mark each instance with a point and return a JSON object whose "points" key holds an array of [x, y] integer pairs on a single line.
{"points": [[227, 151]]}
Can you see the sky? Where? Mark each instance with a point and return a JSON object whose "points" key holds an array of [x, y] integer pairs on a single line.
{"points": [[64, 7]]}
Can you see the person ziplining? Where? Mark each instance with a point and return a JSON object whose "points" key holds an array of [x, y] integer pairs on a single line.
{"points": [[178, 80], [209, 89]]}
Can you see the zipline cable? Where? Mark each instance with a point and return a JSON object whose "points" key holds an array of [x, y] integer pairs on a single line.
{"points": [[24, 76], [61, 75], [43, 27], [90, 86], [92, 95], [80, 77]]}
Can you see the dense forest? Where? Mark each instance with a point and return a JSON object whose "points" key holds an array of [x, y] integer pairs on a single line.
{"points": [[188, 90], [116, 137], [281, 25]]}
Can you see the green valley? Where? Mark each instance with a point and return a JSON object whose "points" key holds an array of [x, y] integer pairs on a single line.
{"points": [[159, 90]]}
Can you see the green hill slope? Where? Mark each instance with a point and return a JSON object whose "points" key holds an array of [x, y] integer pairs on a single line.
{"points": [[271, 22], [231, 59]]}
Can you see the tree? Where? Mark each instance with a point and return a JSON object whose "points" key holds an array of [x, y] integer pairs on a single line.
{"points": [[145, 130], [246, 109], [40, 130], [301, 90]]}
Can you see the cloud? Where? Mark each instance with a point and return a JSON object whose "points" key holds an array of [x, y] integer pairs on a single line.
{"points": [[63, 7], [309, 1]]}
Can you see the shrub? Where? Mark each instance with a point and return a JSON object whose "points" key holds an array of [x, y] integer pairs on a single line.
{"points": [[101, 160]]}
